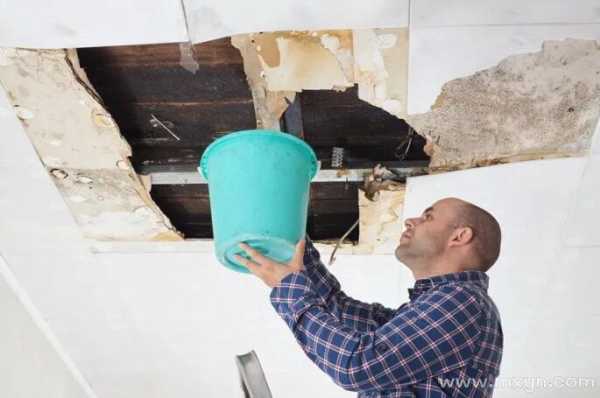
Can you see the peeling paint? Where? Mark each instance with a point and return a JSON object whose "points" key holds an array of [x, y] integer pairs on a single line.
{"points": [[7, 56], [375, 59], [106, 202], [268, 105], [187, 60], [296, 61], [381, 57], [83, 179], [340, 45], [529, 106], [381, 220], [52, 108], [23, 113], [102, 119], [81, 145], [304, 65], [58, 173]]}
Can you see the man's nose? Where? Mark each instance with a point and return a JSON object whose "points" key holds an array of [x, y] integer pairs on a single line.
{"points": [[410, 223]]}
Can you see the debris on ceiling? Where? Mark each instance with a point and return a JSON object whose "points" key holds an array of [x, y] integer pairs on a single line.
{"points": [[269, 105], [531, 106], [343, 91], [287, 62], [382, 68], [380, 204], [172, 101], [81, 146]]}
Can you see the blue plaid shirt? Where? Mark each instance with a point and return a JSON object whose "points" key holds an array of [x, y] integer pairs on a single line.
{"points": [[445, 342]]}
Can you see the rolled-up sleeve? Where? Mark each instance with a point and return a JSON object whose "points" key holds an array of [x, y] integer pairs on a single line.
{"points": [[422, 340]]}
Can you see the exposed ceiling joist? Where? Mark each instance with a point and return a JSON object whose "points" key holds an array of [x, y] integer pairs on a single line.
{"points": [[329, 175]]}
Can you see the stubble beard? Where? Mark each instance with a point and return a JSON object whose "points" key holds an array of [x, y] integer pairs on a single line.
{"points": [[415, 254]]}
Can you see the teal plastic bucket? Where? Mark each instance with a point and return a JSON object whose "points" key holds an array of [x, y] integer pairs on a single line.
{"points": [[259, 186]]}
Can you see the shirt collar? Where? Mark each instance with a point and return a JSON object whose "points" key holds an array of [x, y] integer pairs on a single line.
{"points": [[422, 285]]}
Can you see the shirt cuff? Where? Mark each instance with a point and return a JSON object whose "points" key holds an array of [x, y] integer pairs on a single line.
{"points": [[293, 295]]}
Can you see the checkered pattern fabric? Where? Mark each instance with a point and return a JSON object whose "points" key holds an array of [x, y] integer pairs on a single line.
{"points": [[445, 342]]}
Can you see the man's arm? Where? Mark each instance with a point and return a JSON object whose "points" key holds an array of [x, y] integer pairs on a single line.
{"points": [[423, 340], [353, 313]]}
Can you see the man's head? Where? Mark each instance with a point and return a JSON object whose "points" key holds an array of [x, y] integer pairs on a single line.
{"points": [[450, 236]]}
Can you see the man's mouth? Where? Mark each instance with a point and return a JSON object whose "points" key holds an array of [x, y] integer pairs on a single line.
{"points": [[404, 235]]}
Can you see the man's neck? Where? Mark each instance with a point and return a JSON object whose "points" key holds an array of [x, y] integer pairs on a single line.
{"points": [[434, 269]]}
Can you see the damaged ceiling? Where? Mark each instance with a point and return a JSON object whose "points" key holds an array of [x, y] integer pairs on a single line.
{"points": [[81, 146], [172, 100], [531, 106], [106, 129]]}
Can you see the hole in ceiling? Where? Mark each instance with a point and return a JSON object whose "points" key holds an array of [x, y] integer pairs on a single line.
{"points": [[170, 115]]}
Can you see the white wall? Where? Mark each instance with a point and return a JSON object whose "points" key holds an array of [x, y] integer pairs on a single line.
{"points": [[546, 291], [32, 362]]}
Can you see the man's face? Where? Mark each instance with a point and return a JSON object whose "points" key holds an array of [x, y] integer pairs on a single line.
{"points": [[426, 236]]}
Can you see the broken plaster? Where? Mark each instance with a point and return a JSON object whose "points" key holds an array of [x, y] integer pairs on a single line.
{"points": [[380, 220], [187, 60], [296, 61], [80, 145], [283, 63], [268, 105], [531, 106], [381, 67], [280, 63], [106, 203]]}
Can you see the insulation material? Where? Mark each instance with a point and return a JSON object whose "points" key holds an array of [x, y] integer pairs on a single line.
{"points": [[268, 105], [375, 59], [381, 57], [380, 220], [530, 106], [80, 145]]}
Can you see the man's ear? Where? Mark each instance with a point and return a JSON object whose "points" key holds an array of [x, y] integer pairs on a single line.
{"points": [[461, 236]]}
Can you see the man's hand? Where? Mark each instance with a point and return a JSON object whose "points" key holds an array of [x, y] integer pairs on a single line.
{"points": [[269, 270]]}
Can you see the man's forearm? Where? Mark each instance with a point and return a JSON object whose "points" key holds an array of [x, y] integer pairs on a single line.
{"points": [[356, 314], [423, 340]]}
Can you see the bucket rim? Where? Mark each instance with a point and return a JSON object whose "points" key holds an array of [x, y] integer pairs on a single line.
{"points": [[273, 133]]}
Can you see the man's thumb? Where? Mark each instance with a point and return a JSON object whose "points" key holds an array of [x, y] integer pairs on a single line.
{"points": [[298, 259]]}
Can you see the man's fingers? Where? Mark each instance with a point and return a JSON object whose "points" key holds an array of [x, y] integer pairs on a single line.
{"points": [[298, 258], [255, 254], [251, 265]]}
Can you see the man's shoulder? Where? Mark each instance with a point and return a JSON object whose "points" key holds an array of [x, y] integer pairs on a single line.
{"points": [[453, 298], [458, 291], [462, 294]]}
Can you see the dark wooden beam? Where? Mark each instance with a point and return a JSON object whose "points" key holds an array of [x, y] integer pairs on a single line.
{"points": [[292, 118], [215, 52]]}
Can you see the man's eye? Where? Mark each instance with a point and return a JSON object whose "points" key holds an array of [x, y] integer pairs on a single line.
{"points": [[428, 216]]}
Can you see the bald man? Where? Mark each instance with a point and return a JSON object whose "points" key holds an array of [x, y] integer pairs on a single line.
{"points": [[445, 342]]}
